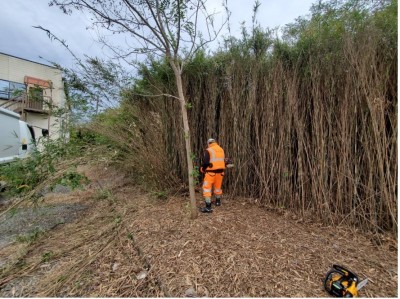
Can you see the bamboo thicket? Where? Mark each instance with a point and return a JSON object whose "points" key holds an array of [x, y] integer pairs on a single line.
{"points": [[310, 119], [311, 127]]}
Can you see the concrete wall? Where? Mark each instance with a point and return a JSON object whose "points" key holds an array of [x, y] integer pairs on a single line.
{"points": [[15, 69]]}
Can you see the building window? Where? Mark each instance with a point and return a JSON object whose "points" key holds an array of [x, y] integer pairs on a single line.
{"points": [[4, 89], [10, 90]]}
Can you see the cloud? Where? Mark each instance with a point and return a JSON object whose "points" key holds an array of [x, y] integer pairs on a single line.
{"points": [[19, 38], [271, 13]]}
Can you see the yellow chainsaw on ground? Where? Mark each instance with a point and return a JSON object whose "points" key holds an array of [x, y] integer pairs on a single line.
{"points": [[341, 282]]}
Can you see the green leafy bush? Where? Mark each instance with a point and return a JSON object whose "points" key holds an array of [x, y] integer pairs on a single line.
{"points": [[73, 179], [23, 175]]}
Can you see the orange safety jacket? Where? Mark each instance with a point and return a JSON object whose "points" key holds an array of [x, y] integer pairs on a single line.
{"points": [[217, 157]]}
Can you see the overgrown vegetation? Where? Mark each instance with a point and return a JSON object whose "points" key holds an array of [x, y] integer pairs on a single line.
{"points": [[309, 118], [54, 163], [137, 143]]}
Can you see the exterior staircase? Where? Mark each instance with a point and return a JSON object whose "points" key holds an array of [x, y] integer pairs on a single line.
{"points": [[24, 103]]}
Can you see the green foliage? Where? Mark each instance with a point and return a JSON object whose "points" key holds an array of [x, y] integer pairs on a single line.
{"points": [[161, 195], [331, 21], [199, 65], [196, 174], [193, 156], [94, 85], [386, 23], [82, 138], [47, 256], [103, 194], [30, 237], [73, 179], [118, 220], [150, 74], [257, 44], [23, 175]]}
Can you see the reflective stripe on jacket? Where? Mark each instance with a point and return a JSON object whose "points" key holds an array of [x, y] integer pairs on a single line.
{"points": [[217, 157]]}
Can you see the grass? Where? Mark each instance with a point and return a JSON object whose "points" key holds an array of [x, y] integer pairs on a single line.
{"points": [[31, 237]]}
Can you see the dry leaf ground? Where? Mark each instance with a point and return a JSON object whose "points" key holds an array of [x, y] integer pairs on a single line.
{"points": [[126, 243]]}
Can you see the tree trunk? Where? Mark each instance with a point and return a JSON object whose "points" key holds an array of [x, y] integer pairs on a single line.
{"points": [[188, 146]]}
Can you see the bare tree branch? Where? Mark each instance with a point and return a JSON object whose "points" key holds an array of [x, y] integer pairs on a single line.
{"points": [[165, 28]]}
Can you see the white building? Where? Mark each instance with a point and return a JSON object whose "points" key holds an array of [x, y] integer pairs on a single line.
{"points": [[36, 92]]}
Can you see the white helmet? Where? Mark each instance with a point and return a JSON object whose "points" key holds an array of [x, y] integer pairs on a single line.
{"points": [[211, 140]]}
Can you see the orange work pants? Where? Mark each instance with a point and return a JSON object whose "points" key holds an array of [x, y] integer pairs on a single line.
{"points": [[212, 179]]}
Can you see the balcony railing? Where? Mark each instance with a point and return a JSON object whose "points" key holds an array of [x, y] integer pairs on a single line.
{"points": [[33, 103], [28, 103]]}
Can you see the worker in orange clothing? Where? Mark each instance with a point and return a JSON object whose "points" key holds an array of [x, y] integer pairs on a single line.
{"points": [[214, 168]]}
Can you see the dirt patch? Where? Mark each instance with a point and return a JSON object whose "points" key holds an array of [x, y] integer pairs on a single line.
{"points": [[242, 250], [25, 222], [129, 244]]}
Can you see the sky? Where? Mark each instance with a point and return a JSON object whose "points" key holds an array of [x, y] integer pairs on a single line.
{"points": [[20, 39]]}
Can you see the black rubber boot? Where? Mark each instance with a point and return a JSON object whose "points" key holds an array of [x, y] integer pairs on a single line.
{"points": [[207, 208], [218, 202]]}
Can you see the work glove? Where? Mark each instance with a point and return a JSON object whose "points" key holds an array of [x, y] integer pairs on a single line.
{"points": [[229, 163]]}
